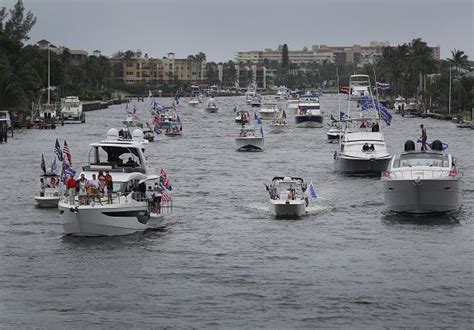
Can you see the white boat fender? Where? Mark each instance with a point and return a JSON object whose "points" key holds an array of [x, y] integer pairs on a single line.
{"points": [[143, 217]]}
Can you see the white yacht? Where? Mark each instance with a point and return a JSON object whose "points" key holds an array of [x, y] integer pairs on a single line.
{"points": [[249, 139], [269, 111], [256, 101], [48, 196], [309, 112], [211, 106], [399, 104], [362, 148], [359, 85], [287, 197], [422, 181], [194, 101], [126, 210], [71, 110]]}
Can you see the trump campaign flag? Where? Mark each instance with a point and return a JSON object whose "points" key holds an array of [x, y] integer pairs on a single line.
{"points": [[311, 192]]}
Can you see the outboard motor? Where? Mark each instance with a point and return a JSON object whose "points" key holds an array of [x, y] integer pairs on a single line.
{"points": [[409, 145], [437, 145]]}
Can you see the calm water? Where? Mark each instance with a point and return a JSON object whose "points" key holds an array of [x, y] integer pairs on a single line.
{"points": [[223, 261]]}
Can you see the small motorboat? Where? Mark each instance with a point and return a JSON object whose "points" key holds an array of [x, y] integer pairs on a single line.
{"points": [[48, 196], [269, 111], [421, 182], [287, 197], [148, 133], [309, 113], [249, 140], [335, 131], [194, 101], [175, 130], [211, 106], [242, 116]]}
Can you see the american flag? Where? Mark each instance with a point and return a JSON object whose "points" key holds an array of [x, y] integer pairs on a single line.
{"points": [[58, 151], [165, 197], [67, 154]]}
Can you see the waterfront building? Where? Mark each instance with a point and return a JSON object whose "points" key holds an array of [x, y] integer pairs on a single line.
{"points": [[355, 54], [77, 56], [251, 74]]}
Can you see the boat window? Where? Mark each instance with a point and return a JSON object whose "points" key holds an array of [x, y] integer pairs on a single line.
{"points": [[115, 156], [422, 159]]}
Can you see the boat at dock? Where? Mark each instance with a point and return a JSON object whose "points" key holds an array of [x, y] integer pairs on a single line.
{"points": [[126, 209], [287, 197], [420, 182]]}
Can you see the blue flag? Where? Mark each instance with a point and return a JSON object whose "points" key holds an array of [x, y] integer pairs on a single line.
{"points": [[54, 167], [311, 192], [341, 115], [58, 151], [176, 97], [368, 102]]}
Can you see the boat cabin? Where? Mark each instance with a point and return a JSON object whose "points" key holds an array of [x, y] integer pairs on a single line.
{"points": [[288, 187]]}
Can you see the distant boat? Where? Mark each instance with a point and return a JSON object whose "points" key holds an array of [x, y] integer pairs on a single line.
{"points": [[249, 139], [309, 113], [48, 197], [359, 85], [71, 110], [269, 110], [211, 106]]}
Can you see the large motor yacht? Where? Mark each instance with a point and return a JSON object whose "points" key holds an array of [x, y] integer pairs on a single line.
{"points": [[422, 181], [359, 85], [126, 210]]}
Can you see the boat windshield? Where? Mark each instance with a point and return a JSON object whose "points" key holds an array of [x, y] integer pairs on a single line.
{"points": [[115, 157], [422, 159], [72, 104]]}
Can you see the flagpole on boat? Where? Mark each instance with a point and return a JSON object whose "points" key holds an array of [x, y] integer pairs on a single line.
{"points": [[376, 93], [49, 73]]}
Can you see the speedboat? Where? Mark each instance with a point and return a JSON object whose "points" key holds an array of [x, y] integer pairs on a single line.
{"points": [[362, 148], [269, 111], [309, 113], [125, 210], [242, 116], [194, 101], [131, 122], [174, 130], [71, 110], [148, 133], [249, 139], [335, 131], [359, 85], [287, 197], [279, 123], [48, 195], [422, 181], [256, 101], [211, 106]]}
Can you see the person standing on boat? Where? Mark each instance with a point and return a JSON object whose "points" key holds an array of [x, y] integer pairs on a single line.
{"points": [[109, 186], [71, 188], [82, 184], [423, 137], [42, 187]]}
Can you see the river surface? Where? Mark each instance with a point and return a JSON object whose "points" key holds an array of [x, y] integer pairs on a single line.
{"points": [[222, 261]]}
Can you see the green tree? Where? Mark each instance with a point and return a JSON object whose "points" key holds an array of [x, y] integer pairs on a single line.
{"points": [[19, 23]]}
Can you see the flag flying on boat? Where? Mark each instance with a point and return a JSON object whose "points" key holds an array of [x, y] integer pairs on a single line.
{"points": [[157, 130], [344, 89], [67, 153], [259, 120], [177, 119], [261, 130], [342, 115], [283, 115], [66, 171], [176, 97], [368, 102], [164, 180], [43, 164], [54, 167], [311, 192], [58, 151], [382, 86]]}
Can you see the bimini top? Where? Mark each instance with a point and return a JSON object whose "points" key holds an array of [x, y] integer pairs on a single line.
{"points": [[113, 138], [287, 179]]}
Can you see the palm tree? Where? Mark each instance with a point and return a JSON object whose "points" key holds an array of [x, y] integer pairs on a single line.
{"points": [[459, 60]]}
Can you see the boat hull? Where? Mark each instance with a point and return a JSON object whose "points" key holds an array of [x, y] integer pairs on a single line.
{"points": [[115, 220], [309, 121], [212, 110], [422, 196], [249, 144], [290, 208], [267, 114], [369, 166], [46, 202]]}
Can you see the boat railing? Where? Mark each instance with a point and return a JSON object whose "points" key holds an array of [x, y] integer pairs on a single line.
{"points": [[421, 173], [163, 207]]}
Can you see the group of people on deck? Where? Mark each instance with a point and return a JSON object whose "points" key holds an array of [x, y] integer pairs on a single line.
{"points": [[53, 182], [275, 195], [90, 190], [375, 127], [153, 195]]}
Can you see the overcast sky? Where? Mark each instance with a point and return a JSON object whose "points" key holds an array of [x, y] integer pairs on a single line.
{"points": [[220, 28]]}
